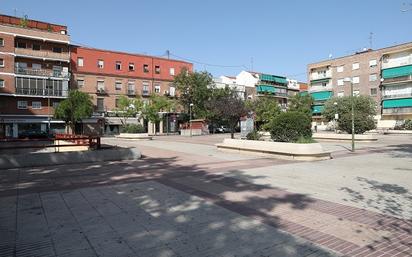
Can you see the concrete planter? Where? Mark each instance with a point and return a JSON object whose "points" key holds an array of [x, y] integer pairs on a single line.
{"points": [[49, 159], [136, 136], [294, 151], [344, 137]]}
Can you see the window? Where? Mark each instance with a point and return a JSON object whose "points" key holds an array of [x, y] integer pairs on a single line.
{"points": [[100, 64], [131, 88], [116, 102], [373, 63], [100, 85], [172, 71], [145, 90], [21, 104], [157, 88], [36, 105], [100, 104], [341, 94], [157, 69], [145, 68], [355, 80], [1, 83], [118, 65], [80, 83], [55, 105], [131, 66], [80, 61], [57, 49], [1, 62], [355, 92], [118, 85], [21, 45], [373, 77], [36, 47], [374, 91], [340, 68], [36, 66], [1, 41], [340, 82], [355, 66], [172, 90]]}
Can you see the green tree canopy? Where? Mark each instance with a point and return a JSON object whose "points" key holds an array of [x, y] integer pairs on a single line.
{"points": [[76, 107], [365, 109], [301, 103], [128, 107], [157, 104], [195, 88], [290, 127], [266, 109]]}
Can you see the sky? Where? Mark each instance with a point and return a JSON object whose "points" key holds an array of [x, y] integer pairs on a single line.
{"points": [[225, 37]]}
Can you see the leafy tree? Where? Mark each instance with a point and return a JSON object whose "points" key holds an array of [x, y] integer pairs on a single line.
{"points": [[301, 103], [265, 109], [364, 110], [195, 88], [76, 107], [128, 107], [226, 106], [291, 126], [157, 104]]}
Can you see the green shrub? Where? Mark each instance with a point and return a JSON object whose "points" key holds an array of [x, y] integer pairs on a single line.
{"points": [[408, 124], [132, 128], [254, 135], [290, 126], [305, 140]]}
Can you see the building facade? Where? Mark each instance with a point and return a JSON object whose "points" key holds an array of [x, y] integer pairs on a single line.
{"points": [[106, 75], [34, 75], [371, 72]]}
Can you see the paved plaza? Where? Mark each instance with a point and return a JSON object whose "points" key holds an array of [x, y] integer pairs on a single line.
{"points": [[185, 198]]}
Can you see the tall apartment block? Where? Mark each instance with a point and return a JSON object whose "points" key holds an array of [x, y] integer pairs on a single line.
{"points": [[384, 74], [106, 75], [34, 74]]}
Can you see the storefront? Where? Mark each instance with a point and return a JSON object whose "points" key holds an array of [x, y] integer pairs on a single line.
{"points": [[14, 127]]}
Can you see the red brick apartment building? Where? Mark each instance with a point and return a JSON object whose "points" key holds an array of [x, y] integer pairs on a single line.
{"points": [[106, 75], [34, 74]]}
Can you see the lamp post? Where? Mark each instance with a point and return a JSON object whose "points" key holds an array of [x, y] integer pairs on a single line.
{"points": [[336, 116], [352, 112], [190, 116]]}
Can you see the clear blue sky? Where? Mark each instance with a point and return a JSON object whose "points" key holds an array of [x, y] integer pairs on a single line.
{"points": [[281, 36]]}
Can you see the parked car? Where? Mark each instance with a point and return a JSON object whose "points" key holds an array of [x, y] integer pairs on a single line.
{"points": [[33, 134]]}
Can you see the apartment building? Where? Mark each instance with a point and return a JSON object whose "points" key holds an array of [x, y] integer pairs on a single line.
{"points": [[106, 75], [369, 71], [34, 75], [230, 82]]}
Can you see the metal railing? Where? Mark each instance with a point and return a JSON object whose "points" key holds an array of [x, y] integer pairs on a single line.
{"points": [[41, 91], [395, 111], [145, 92], [131, 92], [42, 54], [407, 95], [41, 72]]}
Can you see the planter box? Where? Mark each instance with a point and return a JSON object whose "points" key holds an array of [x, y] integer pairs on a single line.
{"points": [[344, 137], [136, 136], [289, 151]]}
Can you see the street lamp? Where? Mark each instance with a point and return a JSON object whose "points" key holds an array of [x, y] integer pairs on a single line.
{"points": [[190, 115], [352, 112], [336, 116]]}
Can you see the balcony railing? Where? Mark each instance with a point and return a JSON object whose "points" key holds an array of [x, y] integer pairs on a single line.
{"points": [[316, 76], [42, 54], [275, 94], [42, 73], [131, 92], [395, 111], [398, 79], [41, 92], [145, 92], [407, 95], [101, 91], [320, 88]]}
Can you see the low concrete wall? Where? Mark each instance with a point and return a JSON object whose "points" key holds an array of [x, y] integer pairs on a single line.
{"points": [[304, 152], [49, 159], [195, 132], [397, 132], [137, 136], [344, 137]]}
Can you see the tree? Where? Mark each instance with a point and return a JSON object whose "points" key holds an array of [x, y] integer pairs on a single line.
{"points": [[291, 126], [76, 107], [365, 109], [128, 107], [301, 103], [265, 109], [195, 88], [226, 106], [157, 104]]}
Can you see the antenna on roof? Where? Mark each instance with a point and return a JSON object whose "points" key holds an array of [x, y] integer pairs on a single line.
{"points": [[371, 40], [15, 12], [168, 54]]}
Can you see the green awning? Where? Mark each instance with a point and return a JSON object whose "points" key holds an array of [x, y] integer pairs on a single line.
{"points": [[396, 103], [273, 78], [265, 89], [323, 95], [317, 109], [397, 72], [316, 81], [303, 93]]}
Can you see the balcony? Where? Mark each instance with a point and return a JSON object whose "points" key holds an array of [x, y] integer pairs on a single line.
{"points": [[145, 92], [42, 73], [41, 54], [271, 90], [397, 111], [131, 92], [41, 92], [396, 72], [321, 96], [317, 76], [101, 91], [407, 95], [320, 88], [273, 79]]}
